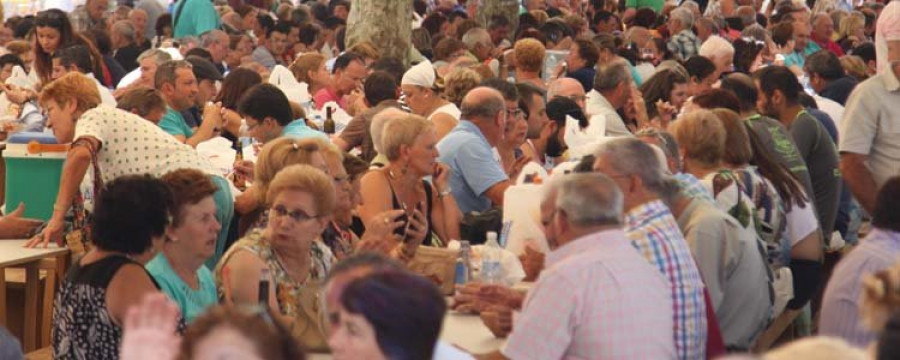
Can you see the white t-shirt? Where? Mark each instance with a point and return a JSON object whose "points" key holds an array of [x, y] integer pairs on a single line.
{"points": [[800, 222], [449, 109], [131, 145]]}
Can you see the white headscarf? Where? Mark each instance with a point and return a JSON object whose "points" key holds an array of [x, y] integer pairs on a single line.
{"points": [[420, 75], [887, 29]]}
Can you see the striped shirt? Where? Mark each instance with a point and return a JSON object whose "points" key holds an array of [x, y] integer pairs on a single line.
{"points": [[654, 232], [597, 299], [840, 305]]}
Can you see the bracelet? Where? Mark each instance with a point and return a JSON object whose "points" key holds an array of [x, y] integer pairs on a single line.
{"points": [[446, 192]]}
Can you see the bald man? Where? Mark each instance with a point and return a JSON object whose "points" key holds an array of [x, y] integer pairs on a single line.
{"points": [[477, 179], [567, 87]]}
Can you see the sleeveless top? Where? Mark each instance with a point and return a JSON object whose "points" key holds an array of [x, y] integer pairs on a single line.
{"points": [[287, 290], [83, 328], [449, 109], [395, 204]]}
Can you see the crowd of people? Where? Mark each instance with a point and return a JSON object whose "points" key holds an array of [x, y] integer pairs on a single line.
{"points": [[717, 169]]}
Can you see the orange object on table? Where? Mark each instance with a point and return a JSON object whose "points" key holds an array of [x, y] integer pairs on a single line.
{"points": [[35, 147]]}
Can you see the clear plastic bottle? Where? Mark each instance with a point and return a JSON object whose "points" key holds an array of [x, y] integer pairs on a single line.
{"points": [[463, 264], [491, 272]]}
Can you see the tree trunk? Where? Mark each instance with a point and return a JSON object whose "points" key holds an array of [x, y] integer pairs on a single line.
{"points": [[387, 24], [507, 8]]}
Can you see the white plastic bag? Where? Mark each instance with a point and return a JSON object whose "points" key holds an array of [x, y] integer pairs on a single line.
{"points": [[285, 81], [522, 219]]}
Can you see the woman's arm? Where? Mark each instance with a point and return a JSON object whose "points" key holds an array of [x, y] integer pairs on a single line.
{"points": [[127, 288], [443, 123], [244, 269], [445, 215], [77, 161], [376, 195]]}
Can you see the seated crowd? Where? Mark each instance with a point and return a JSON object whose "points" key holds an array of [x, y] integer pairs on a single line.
{"points": [[710, 173]]}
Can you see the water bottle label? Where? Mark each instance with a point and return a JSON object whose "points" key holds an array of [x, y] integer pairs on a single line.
{"points": [[462, 274]]}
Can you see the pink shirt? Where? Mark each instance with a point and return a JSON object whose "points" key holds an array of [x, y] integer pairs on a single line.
{"points": [[597, 299], [325, 95]]}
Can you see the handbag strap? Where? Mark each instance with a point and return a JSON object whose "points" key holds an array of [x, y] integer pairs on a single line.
{"points": [[98, 177]]}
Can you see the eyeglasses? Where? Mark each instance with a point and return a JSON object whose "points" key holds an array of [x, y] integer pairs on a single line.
{"points": [[296, 215], [513, 112]]}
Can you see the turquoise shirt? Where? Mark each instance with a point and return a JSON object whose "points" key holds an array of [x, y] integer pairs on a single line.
{"points": [[197, 17], [298, 129], [192, 303], [173, 123], [797, 58]]}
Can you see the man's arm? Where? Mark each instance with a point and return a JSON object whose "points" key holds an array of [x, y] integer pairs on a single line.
{"points": [[495, 193], [859, 179]]}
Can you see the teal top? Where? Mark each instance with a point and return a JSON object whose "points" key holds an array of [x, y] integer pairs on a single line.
{"points": [[299, 130], [657, 5], [173, 123], [797, 58], [197, 17], [192, 303]]}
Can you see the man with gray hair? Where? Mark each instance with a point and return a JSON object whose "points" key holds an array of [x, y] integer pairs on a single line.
{"points": [[597, 296], [479, 43], [612, 90], [125, 49], [684, 43], [477, 179], [216, 42], [148, 61], [637, 170]]}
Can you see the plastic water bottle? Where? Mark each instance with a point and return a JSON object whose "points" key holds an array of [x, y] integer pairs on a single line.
{"points": [[463, 266], [491, 273]]}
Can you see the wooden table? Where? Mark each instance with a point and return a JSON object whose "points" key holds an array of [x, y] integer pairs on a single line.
{"points": [[12, 254], [3, 174]]}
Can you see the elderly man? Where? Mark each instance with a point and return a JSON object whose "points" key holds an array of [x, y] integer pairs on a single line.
{"points": [[870, 142], [125, 49], [568, 88], [822, 30], [477, 179], [90, 15], [638, 171], [684, 43], [217, 43], [478, 41], [612, 91], [148, 61], [720, 52], [140, 20], [585, 303], [177, 83]]}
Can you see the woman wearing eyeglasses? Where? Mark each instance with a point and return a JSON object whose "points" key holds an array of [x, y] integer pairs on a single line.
{"points": [[300, 200]]}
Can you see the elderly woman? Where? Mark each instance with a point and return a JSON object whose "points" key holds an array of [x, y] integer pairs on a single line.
{"points": [[131, 217], [191, 239], [701, 140], [301, 200], [369, 324], [423, 89], [273, 157], [529, 55], [118, 143], [720, 52], [409, 144]]}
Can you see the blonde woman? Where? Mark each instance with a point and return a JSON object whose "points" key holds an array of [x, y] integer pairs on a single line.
{"points": [[458, 83], [852, 31], [310, 68], [409, 142]]}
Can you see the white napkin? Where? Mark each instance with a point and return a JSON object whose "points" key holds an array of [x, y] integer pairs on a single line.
{"points": [[284, 80], [219, 152], [20, 78], [340, 117]]}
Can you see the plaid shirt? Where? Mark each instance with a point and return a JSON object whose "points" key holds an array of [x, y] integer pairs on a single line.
{"points": [[81, 20], [684, 44], [654, 232]]}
